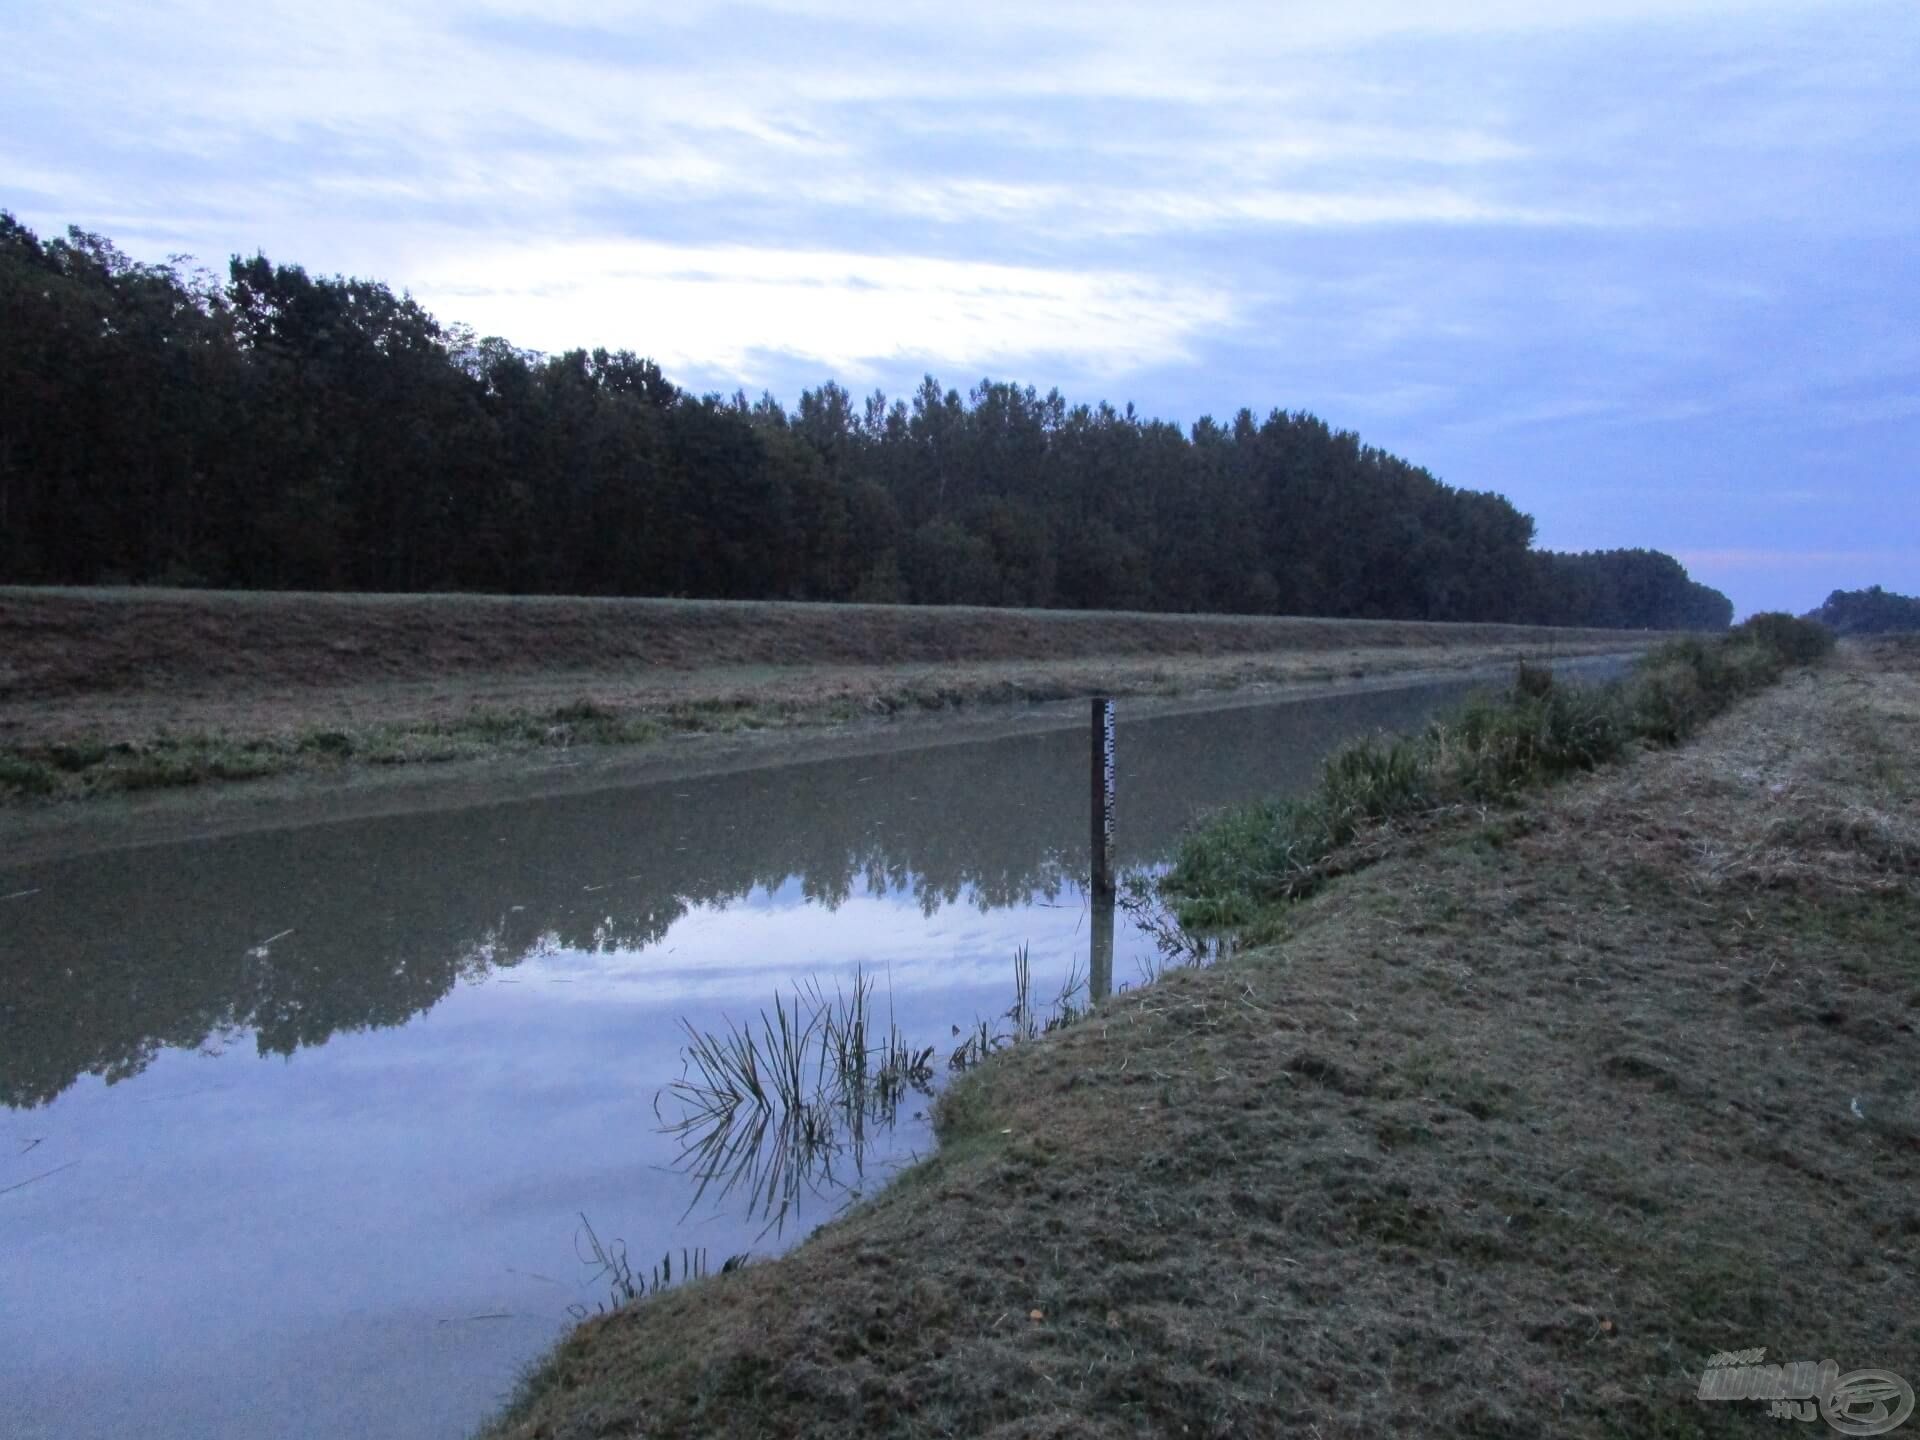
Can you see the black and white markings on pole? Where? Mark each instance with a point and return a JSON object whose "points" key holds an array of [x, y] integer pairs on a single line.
{"points": [[1103, 797]]}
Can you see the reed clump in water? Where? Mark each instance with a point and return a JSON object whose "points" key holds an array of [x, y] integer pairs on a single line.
{"points": [[782, 1105], [624, 1284]]}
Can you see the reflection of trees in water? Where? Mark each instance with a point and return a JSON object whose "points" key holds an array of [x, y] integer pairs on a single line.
{"points": [[123, 955]]}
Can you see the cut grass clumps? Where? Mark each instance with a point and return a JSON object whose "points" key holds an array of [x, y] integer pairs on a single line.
{"points": [[1489, 751]]}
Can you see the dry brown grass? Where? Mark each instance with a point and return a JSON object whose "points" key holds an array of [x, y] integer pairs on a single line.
{"points": [[110, 691], [61, 643], [1501, 1136], [1818, 801]]}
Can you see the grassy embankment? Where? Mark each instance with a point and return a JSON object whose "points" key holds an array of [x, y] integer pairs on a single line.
{"points": [[1523, 1102], [116, 691]]}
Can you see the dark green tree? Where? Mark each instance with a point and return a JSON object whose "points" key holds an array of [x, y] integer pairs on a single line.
{"points": [[281, 429]]}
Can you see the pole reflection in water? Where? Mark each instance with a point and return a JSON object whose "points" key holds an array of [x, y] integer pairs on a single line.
{"points": [[1100, 948]]}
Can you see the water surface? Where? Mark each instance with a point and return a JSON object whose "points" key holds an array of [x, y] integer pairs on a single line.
{"points": [[296, 1128]]}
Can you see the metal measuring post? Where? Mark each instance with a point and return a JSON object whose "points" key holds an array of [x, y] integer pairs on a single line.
{"points": [[1102, 797]]}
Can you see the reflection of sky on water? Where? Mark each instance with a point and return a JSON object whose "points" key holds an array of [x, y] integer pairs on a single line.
{"points": [[329, 1183], [737, 954], [236, 1224]]}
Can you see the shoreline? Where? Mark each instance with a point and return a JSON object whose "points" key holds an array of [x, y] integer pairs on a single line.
{"points": [[314, 788], [1513, 1124]]}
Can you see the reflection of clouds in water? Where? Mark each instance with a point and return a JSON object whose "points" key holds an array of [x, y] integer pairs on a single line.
{"points": [[740, 954], [930, 860]]}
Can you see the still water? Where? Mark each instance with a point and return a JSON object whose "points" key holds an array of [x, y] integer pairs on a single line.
{"points": [[297, 1128]]}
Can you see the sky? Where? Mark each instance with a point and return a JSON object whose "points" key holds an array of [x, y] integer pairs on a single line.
{"points": [[1648, 269]]}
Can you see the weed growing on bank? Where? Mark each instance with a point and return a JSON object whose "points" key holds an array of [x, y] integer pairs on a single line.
{"points": [[1488, 751]]}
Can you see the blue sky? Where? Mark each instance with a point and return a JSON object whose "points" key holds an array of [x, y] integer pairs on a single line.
{"points": [[1646, 268]]}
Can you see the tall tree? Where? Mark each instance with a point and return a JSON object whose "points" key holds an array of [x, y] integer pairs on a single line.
{"points": [[282, 429]]}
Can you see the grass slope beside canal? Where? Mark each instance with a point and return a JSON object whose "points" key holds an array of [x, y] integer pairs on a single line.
{"points": [[1511, 1118], [117, 691]]}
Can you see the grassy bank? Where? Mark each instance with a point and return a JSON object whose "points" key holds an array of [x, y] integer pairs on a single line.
{"points": [[1502, 1132], [90, 764], [122, 691], [1487, 753], [56, 643]]}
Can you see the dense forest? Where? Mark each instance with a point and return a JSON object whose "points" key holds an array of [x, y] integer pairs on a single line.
{"points": [[1872, 611], [275, 429]]}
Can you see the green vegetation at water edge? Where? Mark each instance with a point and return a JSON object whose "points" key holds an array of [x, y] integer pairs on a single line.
{"points": [[88, 767], [1244, 862]]}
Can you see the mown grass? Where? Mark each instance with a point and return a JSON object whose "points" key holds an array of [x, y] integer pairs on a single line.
{"points": [[1489, 751]]}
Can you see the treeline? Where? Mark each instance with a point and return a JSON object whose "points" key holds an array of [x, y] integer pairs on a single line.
{"points": [[274, 429], [1873, 611]]}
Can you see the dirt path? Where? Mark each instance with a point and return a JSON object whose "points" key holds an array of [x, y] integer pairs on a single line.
{"points": [[1504, 1135]]}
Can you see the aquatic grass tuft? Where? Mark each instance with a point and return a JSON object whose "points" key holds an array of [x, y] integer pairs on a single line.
{"points": [[1021, 1011], [781, 1106], [626, 1287], [844, 1022], [1178, 947], [1071, 1004], [903, 1068], [975, 1046], [775, 1106], [1025, 1020]]}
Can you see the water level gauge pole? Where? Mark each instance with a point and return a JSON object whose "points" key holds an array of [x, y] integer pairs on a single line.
{"points": [[1102, 797]]}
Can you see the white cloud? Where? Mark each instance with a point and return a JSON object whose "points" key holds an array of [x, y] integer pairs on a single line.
{"points": [[1063, 212], [718, 306], [1153, 31]]}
